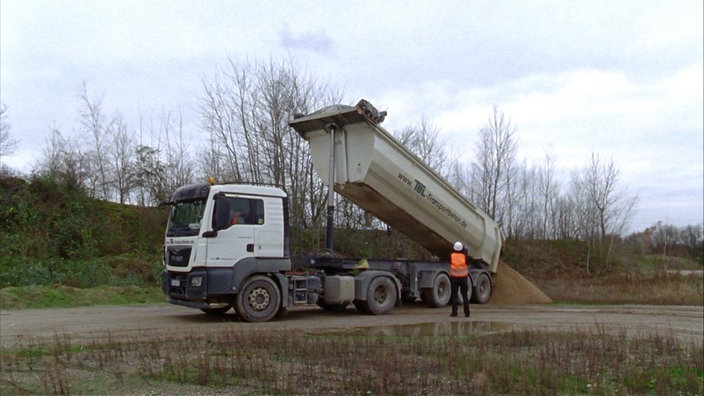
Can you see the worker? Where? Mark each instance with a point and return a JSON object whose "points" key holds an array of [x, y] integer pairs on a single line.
{"points": [[458, 278], [237, 218]]}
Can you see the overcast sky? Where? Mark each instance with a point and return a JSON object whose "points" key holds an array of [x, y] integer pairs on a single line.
{"points": [[619, 78]]}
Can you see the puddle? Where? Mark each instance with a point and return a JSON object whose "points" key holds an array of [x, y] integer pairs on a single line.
{"points": [[458, 328]]}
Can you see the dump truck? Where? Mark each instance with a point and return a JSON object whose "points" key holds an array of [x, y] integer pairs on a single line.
{"points": [[227, 245]]}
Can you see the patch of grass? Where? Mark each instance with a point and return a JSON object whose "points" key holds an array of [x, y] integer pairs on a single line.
{"points": [[567, 259], [638, 288], [255, 362], [547, 259], [118, 270], [60, 296]]}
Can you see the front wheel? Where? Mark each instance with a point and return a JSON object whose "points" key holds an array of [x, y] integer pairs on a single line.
{"points": [[259, 300], [482, 292]]}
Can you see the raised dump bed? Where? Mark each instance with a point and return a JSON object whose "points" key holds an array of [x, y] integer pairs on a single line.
{"points": [[377, 173]]}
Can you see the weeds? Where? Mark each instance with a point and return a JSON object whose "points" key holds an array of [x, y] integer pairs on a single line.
{"points": [[515, 362]]}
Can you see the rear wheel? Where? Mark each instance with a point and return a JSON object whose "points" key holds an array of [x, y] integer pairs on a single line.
{"points": [[259, 299], [381, 295], [482, 292], [439, 294]]}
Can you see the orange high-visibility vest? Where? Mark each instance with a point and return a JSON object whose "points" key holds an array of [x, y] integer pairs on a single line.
{"points": [[458, 265]]}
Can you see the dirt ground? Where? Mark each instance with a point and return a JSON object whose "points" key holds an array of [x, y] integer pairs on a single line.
{"points": [[160, 320], [515, 304]]}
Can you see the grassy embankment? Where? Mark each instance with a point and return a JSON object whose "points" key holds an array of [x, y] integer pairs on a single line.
{"points": [[58, 248], [559, 269]]}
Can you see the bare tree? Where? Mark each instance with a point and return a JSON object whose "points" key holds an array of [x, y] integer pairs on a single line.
{"points": [[121, 155], [604, 208], [549, 189], [692, 237], [567, 225], [494, 168], [93, 123], [8, 145], [149, 173], [613, 208], [176, 153], [64, 161], [523, 209], [222, 110], [665, 237], [424, 141], [246, 112], [212, 159]]}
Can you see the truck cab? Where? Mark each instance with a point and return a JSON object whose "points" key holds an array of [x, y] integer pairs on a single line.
{"points": [[219, 235]]}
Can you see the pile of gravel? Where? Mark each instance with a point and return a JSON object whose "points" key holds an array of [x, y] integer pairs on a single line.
{"points": [[510, 287]]}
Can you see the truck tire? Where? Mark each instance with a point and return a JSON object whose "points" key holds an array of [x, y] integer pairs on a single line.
{"points": [[482, 292], [259, 300], [381, 295], [439, 294]]}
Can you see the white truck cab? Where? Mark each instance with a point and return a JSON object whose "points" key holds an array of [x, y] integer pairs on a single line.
{"points": [[218, 236], [219, 225]]}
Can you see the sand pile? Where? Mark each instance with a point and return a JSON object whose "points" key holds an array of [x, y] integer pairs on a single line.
{"points": [[510, 287]]}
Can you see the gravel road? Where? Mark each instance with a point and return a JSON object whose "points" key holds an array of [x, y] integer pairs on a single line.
{"points": [[159, 320]]}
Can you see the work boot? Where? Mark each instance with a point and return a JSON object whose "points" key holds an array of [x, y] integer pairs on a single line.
{"points": [[452, 315], [466, 313]]}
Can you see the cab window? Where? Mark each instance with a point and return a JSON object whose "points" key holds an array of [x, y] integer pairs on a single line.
{"points": [[238, 211]]}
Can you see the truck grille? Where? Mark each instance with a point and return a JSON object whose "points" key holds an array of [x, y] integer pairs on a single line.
{"points": [[178, 256]]}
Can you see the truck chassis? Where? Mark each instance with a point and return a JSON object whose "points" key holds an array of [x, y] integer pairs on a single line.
{"points": [[372, 286]]}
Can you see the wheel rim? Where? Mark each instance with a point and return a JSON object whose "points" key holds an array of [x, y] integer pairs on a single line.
{"points": [[259, 299], [380, 294]]}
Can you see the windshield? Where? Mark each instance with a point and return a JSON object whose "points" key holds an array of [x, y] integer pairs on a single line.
{"points": [[185, 218]]}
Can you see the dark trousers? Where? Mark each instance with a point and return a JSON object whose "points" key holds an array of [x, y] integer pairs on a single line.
{"points": [[459, 284]]}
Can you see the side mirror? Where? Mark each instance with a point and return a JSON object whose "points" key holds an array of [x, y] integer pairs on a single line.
{"points": [[210, 234]]}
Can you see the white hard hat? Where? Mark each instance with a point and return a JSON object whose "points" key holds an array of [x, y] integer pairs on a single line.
{"points": [[458, 246]]}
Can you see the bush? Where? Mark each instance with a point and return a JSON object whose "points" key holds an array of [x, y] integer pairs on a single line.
{"points": [[112, 271], [51, 234]]}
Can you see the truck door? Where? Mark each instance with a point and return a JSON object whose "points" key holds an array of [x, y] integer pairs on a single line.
{"points": [[234, 219]]}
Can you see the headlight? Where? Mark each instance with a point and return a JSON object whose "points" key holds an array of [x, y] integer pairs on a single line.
{"points": [[196, 281]]}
